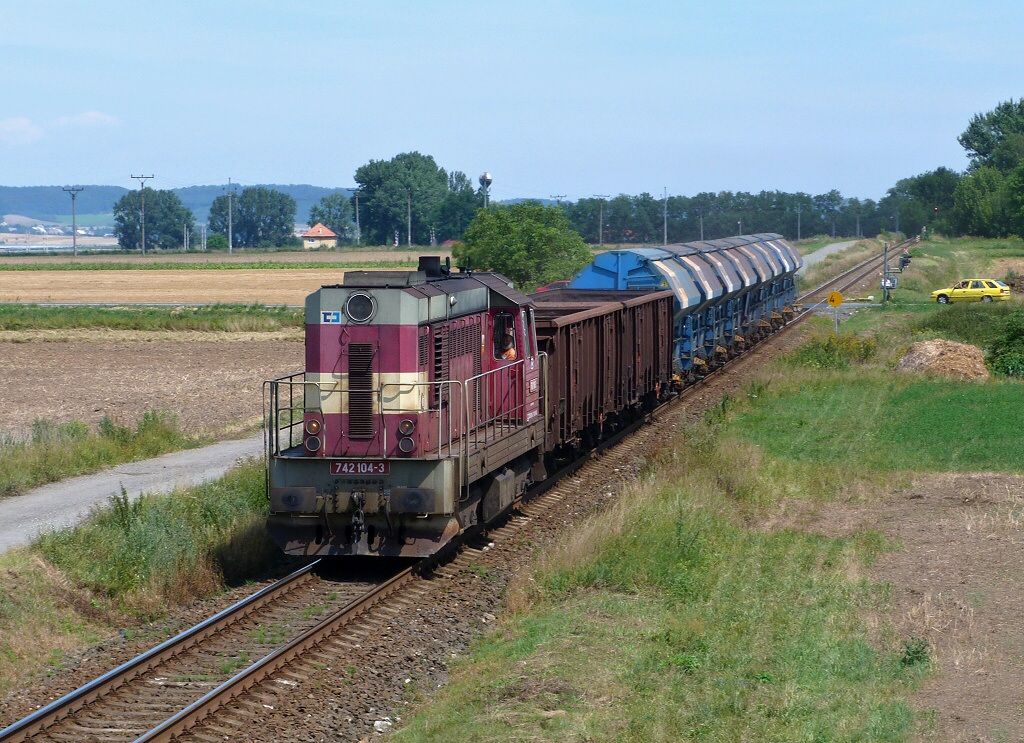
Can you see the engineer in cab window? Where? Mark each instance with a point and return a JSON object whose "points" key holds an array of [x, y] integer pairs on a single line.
{"points": [[509, 345]]}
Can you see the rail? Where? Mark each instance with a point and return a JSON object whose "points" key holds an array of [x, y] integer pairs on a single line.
{"points": [[73, 701]]}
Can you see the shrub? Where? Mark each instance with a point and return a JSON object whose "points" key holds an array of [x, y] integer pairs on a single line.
{"points": [[834, 351], [1006, 352]]}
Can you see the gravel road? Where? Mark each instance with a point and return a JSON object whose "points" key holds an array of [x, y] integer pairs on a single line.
{"points": [[821, 253]]}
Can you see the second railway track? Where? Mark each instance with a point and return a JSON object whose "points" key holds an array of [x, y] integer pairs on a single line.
{"points": [[206, 682]]}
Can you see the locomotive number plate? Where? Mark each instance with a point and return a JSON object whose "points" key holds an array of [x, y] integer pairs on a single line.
{"points": [[376, 467]]}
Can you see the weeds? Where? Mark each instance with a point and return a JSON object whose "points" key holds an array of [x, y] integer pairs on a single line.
{"points": [[163, 548], [834, 351], [55, 451], [916, 652]]}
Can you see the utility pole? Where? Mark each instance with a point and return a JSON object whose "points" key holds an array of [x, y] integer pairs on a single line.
{"points": [[600, 218], [799, 207], [664, 215], [558, 198], [142, 192], [897, 220], [485, 184], [359, 232], [231, 219], [858, 224], [74, 191], [202, 234], [408, 217], [739, 226], [885, 273], [701, 227]]}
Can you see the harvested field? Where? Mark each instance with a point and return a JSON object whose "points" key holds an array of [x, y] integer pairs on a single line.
{"points": [[211, 381], [277, 287], [239, 256]]}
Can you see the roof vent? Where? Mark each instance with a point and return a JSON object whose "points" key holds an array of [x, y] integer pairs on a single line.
{"points": [[431, 266]]}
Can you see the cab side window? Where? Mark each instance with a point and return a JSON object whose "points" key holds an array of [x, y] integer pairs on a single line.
{"points": [[505, 337], [991, 285], [961, 285], [977, 285]]}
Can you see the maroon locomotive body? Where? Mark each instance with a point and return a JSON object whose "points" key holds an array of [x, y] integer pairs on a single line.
{"points": [[431, 400]]}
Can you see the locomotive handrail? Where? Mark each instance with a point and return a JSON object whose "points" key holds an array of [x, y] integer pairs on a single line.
{"points": [[502, 416], [272, 415], [440, 389]]}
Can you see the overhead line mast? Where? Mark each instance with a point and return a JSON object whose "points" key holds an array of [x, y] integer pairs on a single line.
{"points": [[74, 191], [142, 193]]}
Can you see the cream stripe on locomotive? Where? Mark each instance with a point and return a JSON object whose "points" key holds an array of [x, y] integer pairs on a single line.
{"points": [[329, 392]]}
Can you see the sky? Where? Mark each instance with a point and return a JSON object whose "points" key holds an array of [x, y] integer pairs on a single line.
{"points": [[574, 98]]}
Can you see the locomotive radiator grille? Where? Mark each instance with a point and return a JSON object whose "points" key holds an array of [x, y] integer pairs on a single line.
{"points": [[360, 391]]}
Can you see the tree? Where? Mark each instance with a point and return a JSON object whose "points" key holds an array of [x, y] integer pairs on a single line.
{"points": [[996, 138], [409, 187], [334, 211], [262, 217], [166, 218], [979, 203], [458, 207], [529, 243], [1014, 204]]}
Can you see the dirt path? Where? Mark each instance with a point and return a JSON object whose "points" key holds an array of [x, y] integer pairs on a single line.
{"points": [[957, 574]]}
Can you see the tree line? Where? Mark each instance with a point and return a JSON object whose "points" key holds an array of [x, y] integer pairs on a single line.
{"points": [[410, 199]]}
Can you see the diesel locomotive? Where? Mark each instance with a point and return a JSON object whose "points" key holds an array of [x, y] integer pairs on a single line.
{"points": [[431, 399]]}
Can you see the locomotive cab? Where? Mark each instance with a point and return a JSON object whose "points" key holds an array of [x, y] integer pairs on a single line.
{"points": [[418, 412]]}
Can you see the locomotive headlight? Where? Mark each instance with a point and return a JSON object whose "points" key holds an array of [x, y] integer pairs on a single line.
{"points": [[313, 443], [406, 445], [313, 427], [360, 307], [406, 427]]}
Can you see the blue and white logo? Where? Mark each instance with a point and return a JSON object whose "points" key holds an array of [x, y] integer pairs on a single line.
{"points": [[330, 318]]}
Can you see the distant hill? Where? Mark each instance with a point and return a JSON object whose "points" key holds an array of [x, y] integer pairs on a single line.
{"points": [[199, 198], [51, 204]]}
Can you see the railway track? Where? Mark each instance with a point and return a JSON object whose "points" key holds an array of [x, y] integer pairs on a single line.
{"points": [[208, 680]]}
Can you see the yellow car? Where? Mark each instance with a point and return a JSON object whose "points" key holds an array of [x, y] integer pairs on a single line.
{"points": [[973, 290]]}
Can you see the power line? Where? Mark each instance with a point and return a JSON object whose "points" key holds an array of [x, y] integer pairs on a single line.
{"points": [[74, 191], [142, 192]]}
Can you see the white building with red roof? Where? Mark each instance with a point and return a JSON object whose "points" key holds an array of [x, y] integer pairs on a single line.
{"points": [[319, 236]]}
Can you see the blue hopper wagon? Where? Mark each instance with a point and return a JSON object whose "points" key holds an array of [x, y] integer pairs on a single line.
{"points": [[729, 293]]}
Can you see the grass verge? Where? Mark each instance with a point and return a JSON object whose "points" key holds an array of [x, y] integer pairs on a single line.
{"points": [[55, 451], [671, 618], [128, 563], [221, 317]]}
